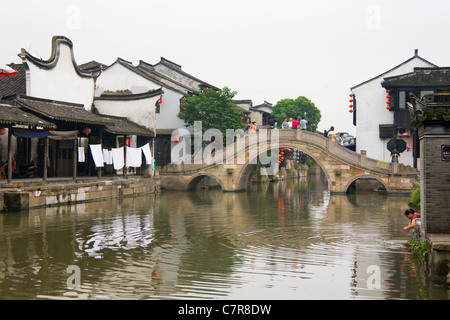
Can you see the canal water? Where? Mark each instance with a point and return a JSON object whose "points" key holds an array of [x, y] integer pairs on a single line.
{"points": [[286, 240]]}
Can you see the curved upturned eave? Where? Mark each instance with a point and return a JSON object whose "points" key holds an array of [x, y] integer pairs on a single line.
{"points": [[54, 57]]}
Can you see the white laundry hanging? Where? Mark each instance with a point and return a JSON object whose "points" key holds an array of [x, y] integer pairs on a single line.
{"points": [[97, 154], [81, 154], [134, 157], [147, 153], [107, 156], [117, 158]]}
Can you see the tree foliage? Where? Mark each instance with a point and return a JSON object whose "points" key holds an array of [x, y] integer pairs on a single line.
{"points": [[291, 108], [215, 109]]}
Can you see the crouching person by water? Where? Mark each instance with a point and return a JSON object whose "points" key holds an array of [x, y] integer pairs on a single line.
{"points": [[412, 216]]}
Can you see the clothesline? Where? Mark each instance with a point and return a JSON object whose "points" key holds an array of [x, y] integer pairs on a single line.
{"points": [[116, 156]]}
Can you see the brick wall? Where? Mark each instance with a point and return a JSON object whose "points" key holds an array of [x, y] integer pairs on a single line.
{"points": [[435, 177]]}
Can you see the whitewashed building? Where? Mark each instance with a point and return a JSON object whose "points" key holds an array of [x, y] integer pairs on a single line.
{"points": [[147, 97], [59, 77], [371, 117]]}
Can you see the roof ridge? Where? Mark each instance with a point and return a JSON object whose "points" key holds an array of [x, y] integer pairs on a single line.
{"points": [[416, 55], [54, 57]]}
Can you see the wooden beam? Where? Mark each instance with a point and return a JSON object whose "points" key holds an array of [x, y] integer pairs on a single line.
{"points": [[45, 173], [10, 154]]}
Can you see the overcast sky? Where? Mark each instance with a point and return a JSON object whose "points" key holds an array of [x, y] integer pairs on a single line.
{"points": [[264, 50]]}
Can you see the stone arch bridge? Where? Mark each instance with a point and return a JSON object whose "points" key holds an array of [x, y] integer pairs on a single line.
{"points": [[341, 166]]}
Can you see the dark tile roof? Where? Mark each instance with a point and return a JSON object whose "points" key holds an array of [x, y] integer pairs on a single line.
{"points": [[153, 76], [13, 115], [127, 96], [13, 85], [123, 126], [421, 77], [92, 66], [177, 68], [58, 110]]}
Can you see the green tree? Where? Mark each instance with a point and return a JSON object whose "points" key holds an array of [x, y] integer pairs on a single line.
{"points": [[214, 108], [291, 108]]}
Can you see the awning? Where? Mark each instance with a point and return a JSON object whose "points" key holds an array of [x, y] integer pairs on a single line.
{"points": [[62, 135], [55, 135], [24, 133]]}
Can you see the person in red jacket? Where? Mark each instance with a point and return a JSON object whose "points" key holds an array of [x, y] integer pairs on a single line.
{"points": [[295, 123]]}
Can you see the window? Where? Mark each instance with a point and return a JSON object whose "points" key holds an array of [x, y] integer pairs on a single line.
{"points": [[403, 97]]}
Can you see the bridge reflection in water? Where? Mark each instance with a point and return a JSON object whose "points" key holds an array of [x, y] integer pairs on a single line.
{"points": [[286, 240]]}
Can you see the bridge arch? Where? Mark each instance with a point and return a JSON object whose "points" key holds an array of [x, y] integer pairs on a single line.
{"points": [[246, 170], [367, 177], [194, 181]]}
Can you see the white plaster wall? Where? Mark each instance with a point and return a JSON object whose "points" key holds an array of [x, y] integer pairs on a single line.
{"points": [[371, 112], [118, 77], [140, 111], [170, 107], [61, 82]]}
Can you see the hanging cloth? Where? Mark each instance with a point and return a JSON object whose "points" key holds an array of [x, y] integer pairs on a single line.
{"points": [[25, 133], [134, 157], [97, 154], [81, 154], [147, 153], [117, 158], [63, 135], [107, 156]]}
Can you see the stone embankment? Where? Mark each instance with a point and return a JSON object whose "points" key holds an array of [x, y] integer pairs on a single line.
{"points": [[25, 195]]}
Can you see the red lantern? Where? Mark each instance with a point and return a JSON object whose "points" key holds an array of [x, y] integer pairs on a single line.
{"points": [[350, 110], [351, 100], [350, 106], [2, 131], [351, 95], [388, 91], [86, 131], [388, 107], [405, 134]]}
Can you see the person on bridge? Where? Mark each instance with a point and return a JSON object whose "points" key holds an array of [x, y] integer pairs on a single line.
{"points": [[332, 134], [412, 216], [295, 123], [303, 123], [394, 155], [341, 139]]}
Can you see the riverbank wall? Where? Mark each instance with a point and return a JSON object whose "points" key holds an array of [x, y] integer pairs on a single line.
{"points": [[437, 263], [19, 196]]}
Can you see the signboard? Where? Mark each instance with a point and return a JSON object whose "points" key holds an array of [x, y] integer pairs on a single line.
{"points": [[445, 153]]}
